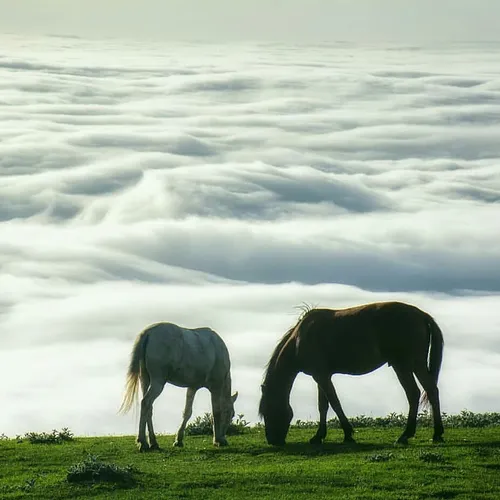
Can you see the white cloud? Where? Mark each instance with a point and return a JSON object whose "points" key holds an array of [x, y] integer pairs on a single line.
{"points": [[223, 186]]}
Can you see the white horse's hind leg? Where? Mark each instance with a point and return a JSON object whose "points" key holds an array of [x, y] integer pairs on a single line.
{"points": [[186, 415], [145, 380], [153, 443], [155, 389]]}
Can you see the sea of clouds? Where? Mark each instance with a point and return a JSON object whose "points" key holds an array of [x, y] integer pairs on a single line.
{"points": [[224, 185]]}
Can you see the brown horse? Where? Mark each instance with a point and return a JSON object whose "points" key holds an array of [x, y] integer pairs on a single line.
{"points": [[354, 341]]}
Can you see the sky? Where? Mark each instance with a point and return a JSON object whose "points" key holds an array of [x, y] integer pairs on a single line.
{"points": [[224, 185], [410, 21]]}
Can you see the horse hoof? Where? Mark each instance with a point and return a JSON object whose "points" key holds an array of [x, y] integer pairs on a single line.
{"points": [[403, 441], [143, 448], [178, 444], [349, 440], [315, 440], [155, 447], [437, 439], [221, 443]]}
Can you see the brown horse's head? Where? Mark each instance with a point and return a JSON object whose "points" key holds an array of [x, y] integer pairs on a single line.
{"points": [[277, 413], [274, 405]]}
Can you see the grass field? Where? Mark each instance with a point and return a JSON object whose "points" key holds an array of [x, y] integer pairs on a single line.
{"points": [[466, 466]]}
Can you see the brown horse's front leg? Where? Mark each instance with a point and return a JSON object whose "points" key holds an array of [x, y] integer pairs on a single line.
{"points": [[323, 410], [325, 382]]}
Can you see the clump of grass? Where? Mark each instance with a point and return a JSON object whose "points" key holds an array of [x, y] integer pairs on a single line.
{"points": [[431, 457], [380, 457], [468, 418], [364, 421], [4, 437], [202, 425], [465, 418], [93, 470], [54, 437]]}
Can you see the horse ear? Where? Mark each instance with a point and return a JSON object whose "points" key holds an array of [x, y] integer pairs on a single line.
{"points": [[234, 397]]}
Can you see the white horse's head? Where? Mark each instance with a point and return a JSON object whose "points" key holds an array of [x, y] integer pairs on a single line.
{"points": [[226, 412]]}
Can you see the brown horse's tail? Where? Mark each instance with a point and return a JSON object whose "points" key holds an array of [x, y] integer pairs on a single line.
{"points": [[134, 371], [435, 353]]}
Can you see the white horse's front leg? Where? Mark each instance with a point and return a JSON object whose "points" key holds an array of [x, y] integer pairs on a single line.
{"points": [[188, 411], [219, 424]]}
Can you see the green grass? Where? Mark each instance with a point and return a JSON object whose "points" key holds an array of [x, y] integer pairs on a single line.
{"points": [[466, 466]]}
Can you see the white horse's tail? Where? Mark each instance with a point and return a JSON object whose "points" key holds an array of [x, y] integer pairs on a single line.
{"points": [[134, 371]]}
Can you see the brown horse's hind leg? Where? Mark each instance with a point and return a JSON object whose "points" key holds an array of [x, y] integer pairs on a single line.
{"points": [[325, 383], [412, 391], [323, 410], [432, 391]]}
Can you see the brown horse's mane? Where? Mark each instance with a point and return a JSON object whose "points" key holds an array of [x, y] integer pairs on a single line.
{"points": [[306, 309]]}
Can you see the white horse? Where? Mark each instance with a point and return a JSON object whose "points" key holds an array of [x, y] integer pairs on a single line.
{"points": [[192, 358]]}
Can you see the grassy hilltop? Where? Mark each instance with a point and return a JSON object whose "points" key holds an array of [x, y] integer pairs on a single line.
{"points": [[466, 466]]}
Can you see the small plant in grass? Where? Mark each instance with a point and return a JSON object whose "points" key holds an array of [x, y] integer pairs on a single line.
{"points": [[54, 437], [239, 426], [28, 485], [202, 425], [431, 457], [25, 487], [4, 437], [93, 470], [380, 457]]}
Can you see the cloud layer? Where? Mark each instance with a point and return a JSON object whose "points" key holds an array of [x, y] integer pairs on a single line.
{"points": [[224, 185]]}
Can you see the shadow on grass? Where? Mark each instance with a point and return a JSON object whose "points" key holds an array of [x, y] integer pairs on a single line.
{"points": [[474, 444], [302, 449], [338, 448], [492, 466], [327, 448]]}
